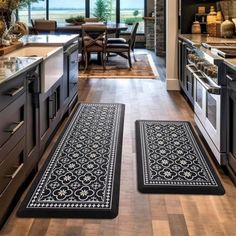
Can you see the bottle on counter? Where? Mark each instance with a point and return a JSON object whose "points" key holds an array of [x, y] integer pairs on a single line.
{"points": [[219, 20], [211, 22], [227, 29], [196, 28]]}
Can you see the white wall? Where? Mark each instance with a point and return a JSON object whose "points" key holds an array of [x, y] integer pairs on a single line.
{"points": [[172, 82]]}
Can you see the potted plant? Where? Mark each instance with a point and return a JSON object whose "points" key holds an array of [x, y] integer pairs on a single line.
{"points": [[78, 20]]}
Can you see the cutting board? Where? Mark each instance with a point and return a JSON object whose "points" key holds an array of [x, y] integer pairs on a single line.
{"points": [[7, 49]]}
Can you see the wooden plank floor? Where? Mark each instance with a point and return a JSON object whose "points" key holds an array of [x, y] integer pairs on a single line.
{"points": [[141, 214]]}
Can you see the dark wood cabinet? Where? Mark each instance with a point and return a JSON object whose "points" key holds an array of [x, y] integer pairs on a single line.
{"points": [[12, 140], [70, 80], [185, 75], [50, 113], [231, 128], [32, 115], [28, 120]]}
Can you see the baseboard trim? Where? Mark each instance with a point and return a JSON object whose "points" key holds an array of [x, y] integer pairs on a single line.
{"points": [[172, 84]]}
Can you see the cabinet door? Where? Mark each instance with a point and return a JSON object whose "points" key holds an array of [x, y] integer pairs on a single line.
{"points": [[12, 125], [232, 122], [11, 90], [73, 74], [32, 126], [50, 110]]}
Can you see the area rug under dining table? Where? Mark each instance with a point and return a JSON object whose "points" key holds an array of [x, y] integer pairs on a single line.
{"points": [[171, 159], [81, 176], [117, 67]]}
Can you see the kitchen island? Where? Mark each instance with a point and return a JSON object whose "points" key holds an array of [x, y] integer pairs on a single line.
{"points": [[31, 109]]}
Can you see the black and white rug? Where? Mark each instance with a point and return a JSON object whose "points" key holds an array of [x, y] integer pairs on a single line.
{"points": [[82, 174], [171, 159]]}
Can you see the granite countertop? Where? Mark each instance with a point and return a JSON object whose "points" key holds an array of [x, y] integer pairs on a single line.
{"points": [[197, 39], [56, 40], [10, 67]]}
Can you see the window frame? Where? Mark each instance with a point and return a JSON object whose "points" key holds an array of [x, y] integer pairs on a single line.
{"points": [[87, 10]]}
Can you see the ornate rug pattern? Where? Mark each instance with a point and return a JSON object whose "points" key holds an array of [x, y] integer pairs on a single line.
{"points": [[117, 67], [171, 159], [82, 174]]}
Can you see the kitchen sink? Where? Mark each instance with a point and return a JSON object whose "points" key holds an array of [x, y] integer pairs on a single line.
{"points": [[51, 69]]}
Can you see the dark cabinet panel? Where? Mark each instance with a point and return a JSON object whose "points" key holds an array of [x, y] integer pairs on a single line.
{"points": [[11, 90], [231, 140], [11, 166], [186, 78], [12, 125], [32, 125], [70, 81], [50, 113]]}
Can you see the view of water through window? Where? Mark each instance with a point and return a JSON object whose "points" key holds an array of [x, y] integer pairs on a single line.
{"points": [[60, 10]]}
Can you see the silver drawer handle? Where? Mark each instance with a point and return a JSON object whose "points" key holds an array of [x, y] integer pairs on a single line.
{"points": [[230, 78], [15, 173], [17, 127], [15, 91]]}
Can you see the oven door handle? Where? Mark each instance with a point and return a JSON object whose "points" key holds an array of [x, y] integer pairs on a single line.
{"points": [[209, 88], [192, 68]]}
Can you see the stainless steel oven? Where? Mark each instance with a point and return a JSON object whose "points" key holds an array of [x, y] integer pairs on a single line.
{"points": [[207, 108], [209, 99]]}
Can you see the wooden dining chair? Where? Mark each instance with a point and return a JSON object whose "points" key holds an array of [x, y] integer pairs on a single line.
{"points": [[122, 47], [45, 26], [94, 40]]}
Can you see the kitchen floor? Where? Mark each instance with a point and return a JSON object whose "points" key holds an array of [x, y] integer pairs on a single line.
{"points": [[140, 214]]}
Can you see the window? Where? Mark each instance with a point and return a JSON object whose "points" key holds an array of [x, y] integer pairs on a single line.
{"points": [[60, 10], [111, 10], [131, 13], [34, 10]]}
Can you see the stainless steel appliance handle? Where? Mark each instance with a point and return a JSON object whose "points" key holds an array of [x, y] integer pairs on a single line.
{"points": [[192, 68], [230, 78], [204, 82]]}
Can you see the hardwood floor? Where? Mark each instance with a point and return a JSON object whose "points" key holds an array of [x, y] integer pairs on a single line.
{"points": [[140, 214]]}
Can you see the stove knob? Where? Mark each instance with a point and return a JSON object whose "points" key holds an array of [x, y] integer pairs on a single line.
{"points": [[200, 65], [191, 57]]}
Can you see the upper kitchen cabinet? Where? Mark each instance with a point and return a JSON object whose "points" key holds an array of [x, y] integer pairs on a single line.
{"points": [[187, 10]]}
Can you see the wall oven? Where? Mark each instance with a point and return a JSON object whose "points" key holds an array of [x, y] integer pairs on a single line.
{"points": [[209, 93]]}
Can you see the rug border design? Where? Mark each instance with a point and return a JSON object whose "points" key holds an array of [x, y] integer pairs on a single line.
{"points": [[106, 213], [143, 187], [151, 63]]}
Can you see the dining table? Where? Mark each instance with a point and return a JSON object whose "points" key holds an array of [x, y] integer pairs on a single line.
{"points": [[112, 27]]}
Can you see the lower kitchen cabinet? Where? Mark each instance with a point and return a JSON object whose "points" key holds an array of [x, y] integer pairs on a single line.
{"points": [[185, 75], [13, 120], [70, 80], [50, 113], [231, 80], [28, 120]]}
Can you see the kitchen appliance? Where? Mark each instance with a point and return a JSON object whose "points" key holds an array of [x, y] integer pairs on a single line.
{"points": [[209, 92], [226, 50]]}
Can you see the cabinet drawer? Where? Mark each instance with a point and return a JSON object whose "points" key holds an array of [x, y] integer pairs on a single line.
{"points": [[11, 90], [12, 165], [12, 125]]}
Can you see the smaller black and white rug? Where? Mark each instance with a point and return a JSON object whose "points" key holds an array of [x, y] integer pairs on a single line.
{"points": [[81, 176], [170, 159]]}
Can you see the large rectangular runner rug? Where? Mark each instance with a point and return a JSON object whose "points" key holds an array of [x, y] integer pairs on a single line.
{"points": [[171, 159], [81, 176], [117, 67]]}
